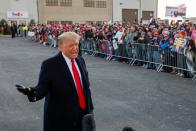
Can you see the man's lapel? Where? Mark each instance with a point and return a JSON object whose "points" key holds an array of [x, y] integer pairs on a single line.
{"points": [[66, 72]]}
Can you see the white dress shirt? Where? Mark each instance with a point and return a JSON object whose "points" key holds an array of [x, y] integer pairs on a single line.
{"points": [[68, 61]]}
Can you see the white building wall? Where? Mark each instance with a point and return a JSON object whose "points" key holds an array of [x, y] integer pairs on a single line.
{"points": [[146, 5], [29, 6], [3, 8], [118, 5], [150, 5]]}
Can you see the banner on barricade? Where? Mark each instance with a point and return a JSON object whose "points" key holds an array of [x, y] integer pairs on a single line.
{"points": [[30, 33]]}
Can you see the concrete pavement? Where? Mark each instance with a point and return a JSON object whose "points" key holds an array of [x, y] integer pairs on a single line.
{"points": [[123, 95]]}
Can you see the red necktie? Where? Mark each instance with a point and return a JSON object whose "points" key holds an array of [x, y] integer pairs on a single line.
{"points": [[82, 102]]}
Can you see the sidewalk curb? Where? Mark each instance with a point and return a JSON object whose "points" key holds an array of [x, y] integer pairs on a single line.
{"points": [[5, 36]]}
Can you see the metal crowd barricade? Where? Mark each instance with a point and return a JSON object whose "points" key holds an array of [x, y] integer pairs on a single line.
{"points": [[31, 35], [52, 42], [150, 56], [145, 54]]}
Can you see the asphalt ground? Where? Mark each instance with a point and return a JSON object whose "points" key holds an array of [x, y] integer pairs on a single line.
{"points": [[123, 95]]}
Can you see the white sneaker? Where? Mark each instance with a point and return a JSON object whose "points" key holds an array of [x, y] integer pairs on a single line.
{"points": [[178, 74], [181, 75]]}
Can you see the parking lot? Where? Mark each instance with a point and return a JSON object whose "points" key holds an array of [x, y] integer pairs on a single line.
{"points": [[123, 95]]}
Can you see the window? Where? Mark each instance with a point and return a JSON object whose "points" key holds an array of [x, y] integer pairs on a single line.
{"points": [[89, 3], [101, 4], [66, 22], [89, 22], [65, 2], [99, 22], [51, 2], [52, 22]]}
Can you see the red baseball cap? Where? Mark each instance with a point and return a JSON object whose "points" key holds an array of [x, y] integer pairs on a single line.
{"points": [[183, 33]]}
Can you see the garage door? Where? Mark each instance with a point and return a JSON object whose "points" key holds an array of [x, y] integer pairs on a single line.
{"points": [[147, 15], [130, 15]]}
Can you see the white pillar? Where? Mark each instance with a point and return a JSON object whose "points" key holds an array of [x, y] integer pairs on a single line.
{"points": [[140, 10]]}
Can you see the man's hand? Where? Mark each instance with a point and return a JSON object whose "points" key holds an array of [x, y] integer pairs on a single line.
{"points": [[29, 91]]}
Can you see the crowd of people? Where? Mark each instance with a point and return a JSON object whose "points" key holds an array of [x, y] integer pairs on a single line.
{"points": [[149, 45], [20, 30]]}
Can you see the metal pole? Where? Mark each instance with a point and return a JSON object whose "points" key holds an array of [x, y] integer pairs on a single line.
{"points": [[38, 11], [112, 11], [140, 10], [157, 1]]}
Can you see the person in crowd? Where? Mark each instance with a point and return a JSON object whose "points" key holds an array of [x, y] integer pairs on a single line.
{"points": [[13, 29], [180, 43], [25, 29], [193, 34], [131, 34], [164, 44], [172, 56], [153, 24], [89, 39], [191, 58], [149, 50]]}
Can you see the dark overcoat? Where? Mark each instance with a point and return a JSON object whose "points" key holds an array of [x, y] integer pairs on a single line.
{"points": [[56, 84]]}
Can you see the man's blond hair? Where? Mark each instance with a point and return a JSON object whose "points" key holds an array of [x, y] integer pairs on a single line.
{"points": [[68, 36]]}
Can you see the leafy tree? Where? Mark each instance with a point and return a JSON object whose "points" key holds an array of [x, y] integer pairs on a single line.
{"points": [[4, 27]]}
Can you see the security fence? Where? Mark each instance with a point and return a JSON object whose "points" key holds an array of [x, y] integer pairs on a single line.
{"points": [[138, 54]]}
